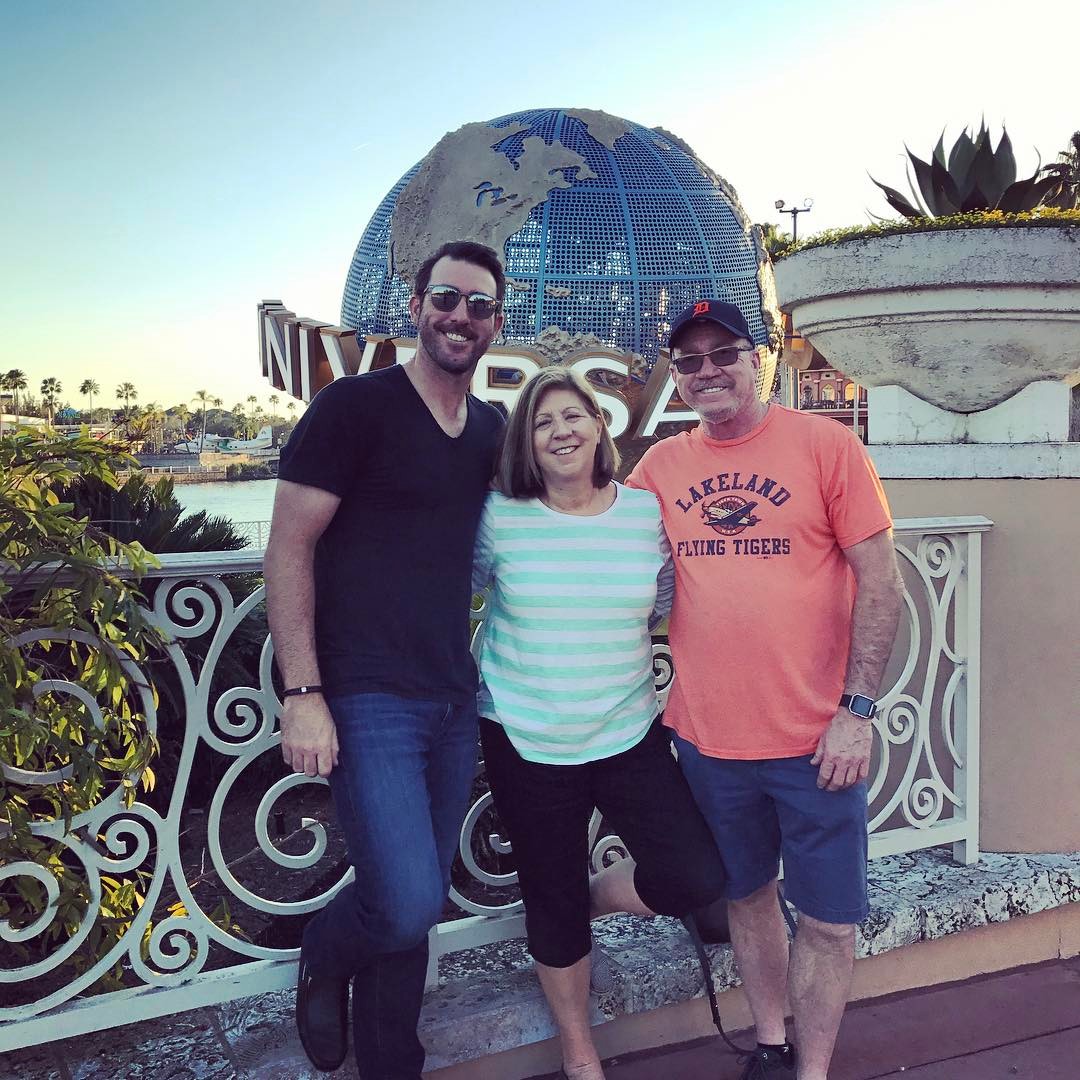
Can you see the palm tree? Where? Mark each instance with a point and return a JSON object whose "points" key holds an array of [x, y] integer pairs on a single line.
{"points": [[774, 238], [139, 428], [217, 403], [203, 397], [290, 408], [154, 416], [274, 399], [126, 392], [50, 391], [89, 387], [15, 380], [1066, 170], [4, 385], [182, 414]]}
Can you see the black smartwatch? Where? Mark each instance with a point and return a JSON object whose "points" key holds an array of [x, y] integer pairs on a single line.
{"points": [[859, 705]]}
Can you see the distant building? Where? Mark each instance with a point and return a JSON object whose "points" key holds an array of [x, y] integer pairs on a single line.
{"points": [[821, 388], [9, 421]]}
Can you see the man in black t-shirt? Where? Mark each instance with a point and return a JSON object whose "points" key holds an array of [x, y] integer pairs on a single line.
{"points": [[367, 574]]}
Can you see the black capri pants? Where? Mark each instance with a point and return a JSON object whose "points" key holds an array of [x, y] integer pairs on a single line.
{"points": [[545, 812]]}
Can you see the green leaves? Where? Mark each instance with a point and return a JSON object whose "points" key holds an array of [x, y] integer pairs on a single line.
{"points": [[69, 594], [973, 176], [961, 155], [1064, 175], [899, 203], [73, 544]]}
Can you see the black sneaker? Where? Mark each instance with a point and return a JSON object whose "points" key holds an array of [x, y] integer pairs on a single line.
{"points": [[762, 1063], [322, 1017]]}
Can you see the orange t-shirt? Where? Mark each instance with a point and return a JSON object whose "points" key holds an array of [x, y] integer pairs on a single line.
{"points": [[761, 622]]}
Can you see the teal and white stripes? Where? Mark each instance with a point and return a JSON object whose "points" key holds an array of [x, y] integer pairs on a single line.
{"points": [[566, 661]]}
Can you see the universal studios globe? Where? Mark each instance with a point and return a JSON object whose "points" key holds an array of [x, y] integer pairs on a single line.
{"points": [[607, 229]]}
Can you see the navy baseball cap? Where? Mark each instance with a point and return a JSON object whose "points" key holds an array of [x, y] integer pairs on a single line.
{"points": [[718, 311]]}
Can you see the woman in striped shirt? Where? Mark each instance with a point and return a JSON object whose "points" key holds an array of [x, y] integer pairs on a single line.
{"points": [[579, 569]]}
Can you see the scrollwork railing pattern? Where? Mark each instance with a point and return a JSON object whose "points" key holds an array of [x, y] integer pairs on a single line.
{"points": [[923, 792]]}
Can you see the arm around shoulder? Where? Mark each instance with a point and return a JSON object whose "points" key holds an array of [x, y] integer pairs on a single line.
{"points": [[665, 581]]}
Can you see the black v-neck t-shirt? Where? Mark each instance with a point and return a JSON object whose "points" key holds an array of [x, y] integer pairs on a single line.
{"points": [[392, 569]]}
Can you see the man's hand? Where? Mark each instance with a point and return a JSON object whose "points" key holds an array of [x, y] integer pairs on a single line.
{"points": [[843, 752], [309, 741]]}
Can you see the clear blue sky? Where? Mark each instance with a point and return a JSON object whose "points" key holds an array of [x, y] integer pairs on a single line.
{"points": [[167, 165]]}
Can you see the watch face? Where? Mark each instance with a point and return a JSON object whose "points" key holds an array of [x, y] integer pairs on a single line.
{"points": [[862, 706]]}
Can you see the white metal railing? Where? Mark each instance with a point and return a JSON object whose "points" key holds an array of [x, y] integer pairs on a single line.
{"points": [[923, 792], [174, 470], [258, 532]]}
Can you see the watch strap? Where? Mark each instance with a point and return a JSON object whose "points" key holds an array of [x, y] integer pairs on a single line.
{"points": [[300, 691]]}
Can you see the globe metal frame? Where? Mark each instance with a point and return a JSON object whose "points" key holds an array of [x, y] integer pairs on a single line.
{"points": [[616, 257]]}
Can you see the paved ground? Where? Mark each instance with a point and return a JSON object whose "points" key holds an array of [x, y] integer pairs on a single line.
{"points": [[1020, 1025]]}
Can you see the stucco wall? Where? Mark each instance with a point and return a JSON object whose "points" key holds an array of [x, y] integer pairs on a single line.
{"points": [[1030, 650]]}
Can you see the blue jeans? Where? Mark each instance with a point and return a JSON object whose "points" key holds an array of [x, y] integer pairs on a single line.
{"points": [[401, 789]]}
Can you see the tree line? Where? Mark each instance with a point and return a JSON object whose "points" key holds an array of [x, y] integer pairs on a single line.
{"points": [[146, 424]]}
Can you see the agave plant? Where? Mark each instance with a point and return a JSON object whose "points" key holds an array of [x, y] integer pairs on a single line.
{"points": [[974, 176]]}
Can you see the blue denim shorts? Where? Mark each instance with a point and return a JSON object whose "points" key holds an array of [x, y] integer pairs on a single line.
{"points": [[762, 811]]}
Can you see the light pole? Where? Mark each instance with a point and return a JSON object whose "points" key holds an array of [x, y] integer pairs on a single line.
{"points": [[794, 211]]}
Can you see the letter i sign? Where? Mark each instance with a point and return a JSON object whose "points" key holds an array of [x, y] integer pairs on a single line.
{"points": [[701, 308]]}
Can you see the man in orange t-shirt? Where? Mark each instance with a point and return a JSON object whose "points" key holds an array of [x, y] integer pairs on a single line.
{"points": [[787, 599]]}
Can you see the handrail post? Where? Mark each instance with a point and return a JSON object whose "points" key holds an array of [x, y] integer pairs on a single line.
{"points": [[968, 647]]}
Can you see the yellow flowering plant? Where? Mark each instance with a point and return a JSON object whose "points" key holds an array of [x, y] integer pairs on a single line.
{"points": [[1041, 216]]}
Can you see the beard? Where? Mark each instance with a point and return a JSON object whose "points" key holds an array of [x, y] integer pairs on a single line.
{"points": [[452, 361]]}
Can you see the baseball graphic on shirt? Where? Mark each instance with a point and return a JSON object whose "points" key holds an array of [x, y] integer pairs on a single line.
{"points": [[729, 515]]}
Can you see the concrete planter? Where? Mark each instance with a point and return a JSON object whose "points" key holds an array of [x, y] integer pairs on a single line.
{"points": [[962, 319]]}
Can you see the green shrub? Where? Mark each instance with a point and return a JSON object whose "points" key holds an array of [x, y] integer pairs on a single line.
{"points": [[68, 613], [1042, 217], [245, 470], [151, 514]]}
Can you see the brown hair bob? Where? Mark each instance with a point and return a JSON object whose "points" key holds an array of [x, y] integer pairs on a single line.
{"points": [[517, 474]]}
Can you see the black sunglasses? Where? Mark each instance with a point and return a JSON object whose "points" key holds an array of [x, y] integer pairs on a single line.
{"points": [[446, 298], [724, 356]]}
